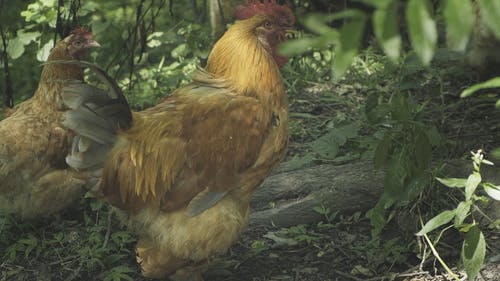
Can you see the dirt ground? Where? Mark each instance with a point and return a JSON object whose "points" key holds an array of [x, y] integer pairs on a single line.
{"points": [[342, 253]]}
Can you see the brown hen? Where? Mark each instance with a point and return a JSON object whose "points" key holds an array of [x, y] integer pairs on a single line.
{"points": [[181, 174], [35, 180]]}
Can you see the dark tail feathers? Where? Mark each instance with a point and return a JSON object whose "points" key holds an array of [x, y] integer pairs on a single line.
{"points": [[95, 115]]}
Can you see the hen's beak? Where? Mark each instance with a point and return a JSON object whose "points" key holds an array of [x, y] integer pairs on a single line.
{"points": [[92, 43]]}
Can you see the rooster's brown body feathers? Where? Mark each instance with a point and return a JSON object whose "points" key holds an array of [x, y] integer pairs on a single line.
{"points": [[183, 174]]}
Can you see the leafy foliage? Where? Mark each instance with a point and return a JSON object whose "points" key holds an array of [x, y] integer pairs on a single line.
{"points": [[474, 245]]}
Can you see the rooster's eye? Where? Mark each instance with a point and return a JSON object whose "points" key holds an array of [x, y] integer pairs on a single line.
{"points": [[268, 24]]}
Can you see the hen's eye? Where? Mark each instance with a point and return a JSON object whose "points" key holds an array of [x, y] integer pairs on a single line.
{"points": [[78, 43], [268, 24]]}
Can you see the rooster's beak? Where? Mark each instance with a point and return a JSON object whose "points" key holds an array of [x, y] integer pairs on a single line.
{"points": [[93, 43]]}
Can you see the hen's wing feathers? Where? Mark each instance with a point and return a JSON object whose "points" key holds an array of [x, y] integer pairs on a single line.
{"points": [[197, 147]]}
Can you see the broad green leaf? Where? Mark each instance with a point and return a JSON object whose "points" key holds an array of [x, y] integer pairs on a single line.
{"points": [[180, 51], [400, 107], [298, 162], [470, 186], [453, 182], [490, 13], [433, 135], [461, 212], [296, 47], [437, 221], [473, 252], [349, 41], [44, 52], [48, 3], [304, 44], [328, 145], [459, 18], [416, 186], [317, 23], [379, 4], [423, 150], [395, 177], [422, 29], [15, 48], [386, 27], [348, 131], [382, 151], [496, 152], [27, 37], [492, 190], [492, 83]]}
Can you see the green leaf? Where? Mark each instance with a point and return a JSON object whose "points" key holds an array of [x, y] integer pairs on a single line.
{"points": [[44, 52], [386, 27], [496, 152], [473, 252], [15, 48], [459, 18], [27, 37], [395, 177], [349, 41], [317, 23], [380, 4], [348, 131], [423, 151], [490, 13], [298, 162], [433, 135], [437, 221], [382, 151], [416, 186], [422, 29], [296, 47], [48, 3], [472, 182], [492, 83], [453, 182], [400, 109], [180, 51], [462, 211], [492, 190]]}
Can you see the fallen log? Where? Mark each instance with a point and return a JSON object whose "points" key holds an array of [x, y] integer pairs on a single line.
{"points": [[288, 198]]}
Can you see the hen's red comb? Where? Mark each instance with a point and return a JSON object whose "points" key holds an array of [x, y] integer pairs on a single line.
{"points": [[82, 31], [270, 7]]}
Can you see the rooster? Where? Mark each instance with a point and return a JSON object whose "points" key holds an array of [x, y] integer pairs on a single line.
{"points": [[181, 174], [33, 143]]}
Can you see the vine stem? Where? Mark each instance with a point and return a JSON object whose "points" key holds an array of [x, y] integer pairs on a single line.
{"points": [[438, 257]]}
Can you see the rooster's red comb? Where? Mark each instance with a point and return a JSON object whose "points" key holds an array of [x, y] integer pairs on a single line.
{"points": [[270, 7], [82, 31]]}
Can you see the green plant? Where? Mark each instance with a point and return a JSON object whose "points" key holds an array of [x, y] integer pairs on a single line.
{"points": [[405, 148], [474, 244]]}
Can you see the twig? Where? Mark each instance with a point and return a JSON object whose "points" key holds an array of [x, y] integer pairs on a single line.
{"points": [[9, 100], [352, 277], [438, 257], [412, 274], [68, 258], [424, 256]]}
